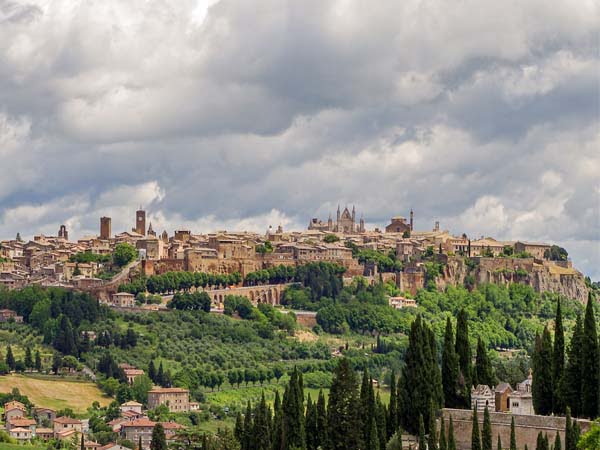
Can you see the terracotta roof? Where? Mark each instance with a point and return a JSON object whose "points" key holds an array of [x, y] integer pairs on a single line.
{"points": [[20, 430], [172, 425], [22, 422], [139, 423], [91, 444], [131, 403], [44, 431], [14, 404], [67, 420]]}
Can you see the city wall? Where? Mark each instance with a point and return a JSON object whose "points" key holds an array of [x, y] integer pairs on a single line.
{"points": [[526, 427]]}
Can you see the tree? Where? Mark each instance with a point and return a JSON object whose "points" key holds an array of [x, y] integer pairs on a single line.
{"points": [[591, 439], [570, 443], [557, 442], [330, 238], [443, 443], [395, 442], [422, 440], [10, 359], [38, 361], [486, 432], [293, 414], [451, 440], [542, 374], [392, 418], [483, 367], [463, 350], [420, 383], [475, 438], [558, 363], [28, 358], [64, 341], [159, 440], [590, 381], [499, 445], [152, 371], [574, 369], [262, 426], [343, 410], [321, 420], [140, 387], [450, 369], [124, 253], [513, 436]]}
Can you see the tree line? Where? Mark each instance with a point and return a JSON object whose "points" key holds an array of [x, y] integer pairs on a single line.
{"points": [[169, 282], [574, 383]]}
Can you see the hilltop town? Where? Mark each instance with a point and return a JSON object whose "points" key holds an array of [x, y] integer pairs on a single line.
{"points": [[399, 252]]}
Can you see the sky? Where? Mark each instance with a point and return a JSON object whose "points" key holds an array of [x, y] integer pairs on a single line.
{"points": [[482, 115]]}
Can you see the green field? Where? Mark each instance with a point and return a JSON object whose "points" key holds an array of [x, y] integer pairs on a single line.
{"points": [[5, 446], [55, 392]]}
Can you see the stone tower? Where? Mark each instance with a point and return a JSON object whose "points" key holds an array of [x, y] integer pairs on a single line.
{"points": [[151, 232], [140, 222], [63, 233], [105, 225]]}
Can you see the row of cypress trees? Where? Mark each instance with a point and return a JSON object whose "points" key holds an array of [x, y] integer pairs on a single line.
{"points": [[575, 383]]}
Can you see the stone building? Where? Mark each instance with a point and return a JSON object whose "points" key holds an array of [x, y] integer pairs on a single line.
{"points": [[105, 228], [503, 391], [483, 396], [140, 222], [176, 399], [521, 400], [345, 223], [398, 224]]}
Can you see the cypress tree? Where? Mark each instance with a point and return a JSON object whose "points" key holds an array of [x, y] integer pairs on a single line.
{"points": [[451, 440], [10, 359], [262, 426], [373, 442], [28, 358], [573, 371], [499, 445], [541, 388], [277, 423], [152, 371], [293, 414], [140, 443], [513, 435], [475, 437], [557, 442], [311, 424], [345, 432], [432, 437], [38, 361], [486, 432], [160, 375], [483, 367], [568, 431], [422, 440], [392, 418], [82, 446], [463, 351], [321, 420], [248, 437], [558, 363], [420, 382], [159, 441], [590, 382], [64, 341], [238, 429], [367, 407], [450, 368], [381, 417], [443, 444], [576, 433]]}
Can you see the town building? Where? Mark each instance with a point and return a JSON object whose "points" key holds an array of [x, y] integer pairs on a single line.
{"points": [[14, 409], [176, 399], [503, 391], [521, 400], [483, 397]]}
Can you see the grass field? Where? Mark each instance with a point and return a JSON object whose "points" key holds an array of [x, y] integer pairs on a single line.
{"points": [[55, 393], [5, 446]]}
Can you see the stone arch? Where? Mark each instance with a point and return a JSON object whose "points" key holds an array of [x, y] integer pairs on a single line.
{"points": [[251, 295]]}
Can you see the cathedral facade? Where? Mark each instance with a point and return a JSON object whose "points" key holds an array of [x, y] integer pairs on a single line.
{"points": [[345, 223]]}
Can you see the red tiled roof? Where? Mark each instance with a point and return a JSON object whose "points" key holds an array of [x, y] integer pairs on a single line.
{"points": [[17, 422], [139, 423], [14, 404], [67, 420], [172, 425]]}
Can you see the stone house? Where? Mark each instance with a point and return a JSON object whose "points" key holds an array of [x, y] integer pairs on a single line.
{"points": [[14, 410], [483, 396], [64, 423], [176, 399], [136, 429], [503, 391]]}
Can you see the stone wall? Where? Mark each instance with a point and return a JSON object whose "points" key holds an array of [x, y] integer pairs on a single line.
{"points": [[526, 427]]}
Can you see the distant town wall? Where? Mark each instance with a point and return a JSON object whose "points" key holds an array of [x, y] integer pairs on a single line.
{"points": [[526, 427]]}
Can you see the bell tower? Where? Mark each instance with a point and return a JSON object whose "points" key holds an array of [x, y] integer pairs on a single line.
{"points": [[140, 222]]}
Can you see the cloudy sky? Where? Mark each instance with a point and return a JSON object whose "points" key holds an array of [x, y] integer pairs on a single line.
{"points": [[483, 115]]}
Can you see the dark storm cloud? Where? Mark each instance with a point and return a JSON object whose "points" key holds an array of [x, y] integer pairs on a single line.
{"points": [[239, 114]]}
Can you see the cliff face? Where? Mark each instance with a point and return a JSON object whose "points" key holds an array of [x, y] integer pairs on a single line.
{"points": [[540, 275]]}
